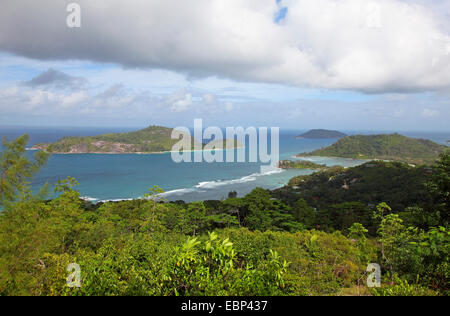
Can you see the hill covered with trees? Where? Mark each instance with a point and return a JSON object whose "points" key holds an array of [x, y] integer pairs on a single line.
{"points": [[153, 139], [294, 241], [394, 147], [150, 139], [360, 189]]}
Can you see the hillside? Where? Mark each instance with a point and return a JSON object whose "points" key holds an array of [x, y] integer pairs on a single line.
{"points": [[322, 133], [300, 164], [343, 196], [393, 147], [314, 237], [152, 139], [395, 183]]}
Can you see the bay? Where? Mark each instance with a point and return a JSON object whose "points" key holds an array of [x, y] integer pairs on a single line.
{"points": [[128, 176]]}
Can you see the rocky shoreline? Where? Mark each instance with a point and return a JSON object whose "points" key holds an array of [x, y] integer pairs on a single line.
{"points": [[36, 147]]}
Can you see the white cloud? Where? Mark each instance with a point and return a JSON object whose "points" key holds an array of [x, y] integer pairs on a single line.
{"points": [[222, 106], [430, 113], [208, 98], [37, 101], [9, 92], [229, 106], [370, 46], [182, 104], [74, 98], [117, 100]]}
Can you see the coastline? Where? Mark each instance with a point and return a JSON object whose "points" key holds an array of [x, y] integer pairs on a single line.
{"points": [[335, 157], [360, 159], [138, 153], [200, 187]]}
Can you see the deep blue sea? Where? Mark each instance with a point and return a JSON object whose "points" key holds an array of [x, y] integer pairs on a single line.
{"points": [[128, 176]]}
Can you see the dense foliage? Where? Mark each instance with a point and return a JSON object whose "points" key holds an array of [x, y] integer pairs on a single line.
{"points": [[150, 139], [266, 243], [406, 189], [16, 170], [386, 147]]}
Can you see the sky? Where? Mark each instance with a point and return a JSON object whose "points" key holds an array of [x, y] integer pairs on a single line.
{"points": [[338, 64]]}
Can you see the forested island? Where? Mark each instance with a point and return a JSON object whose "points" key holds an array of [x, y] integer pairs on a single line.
{"points": [[300, 164], [394, 147], [322, 133], [315, 236], [153, 139]]}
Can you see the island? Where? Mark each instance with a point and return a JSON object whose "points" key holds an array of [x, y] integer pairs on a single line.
{"points": [[300, 164], [392, 147], [153, 139], [321, 134]]}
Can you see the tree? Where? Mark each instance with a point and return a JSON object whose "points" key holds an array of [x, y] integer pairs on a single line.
{"points": [[194, 218], [16, 169], [342, 216], [237, 207], [232, 195], [390, 231], [154, 197], [440, 184], [357, 231], [303, 213], [267, 213], [259, 207], [382, 209]]}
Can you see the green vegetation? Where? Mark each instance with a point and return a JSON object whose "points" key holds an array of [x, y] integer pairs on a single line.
{"points": [[16, 169], [322, 133], [397, 184], [266, 243], [149, 140], [300, 164], [393, 147]]}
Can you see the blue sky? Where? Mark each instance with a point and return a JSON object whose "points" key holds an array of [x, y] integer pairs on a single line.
{"points": [[383, 65]]}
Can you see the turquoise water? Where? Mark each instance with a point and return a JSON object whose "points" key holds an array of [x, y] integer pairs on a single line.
{"points": [[116, 177]]}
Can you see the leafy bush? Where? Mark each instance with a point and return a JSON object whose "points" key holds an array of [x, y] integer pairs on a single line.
{"points": [[402, 288], [211, 268]]}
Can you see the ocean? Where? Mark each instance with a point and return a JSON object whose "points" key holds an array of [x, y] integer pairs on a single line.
{"points": [[128, 176]]}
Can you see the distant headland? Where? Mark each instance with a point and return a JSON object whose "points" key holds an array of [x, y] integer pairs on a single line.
{"points": [[153, 139], [322, 133], [393, 147]]}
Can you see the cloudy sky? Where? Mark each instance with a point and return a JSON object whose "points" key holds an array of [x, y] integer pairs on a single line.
{"points": [[345, 64]]}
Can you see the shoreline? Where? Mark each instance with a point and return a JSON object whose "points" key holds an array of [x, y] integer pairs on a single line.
{"points": [[137, 153], [361, 159], [335, 157], [199, 186]]}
